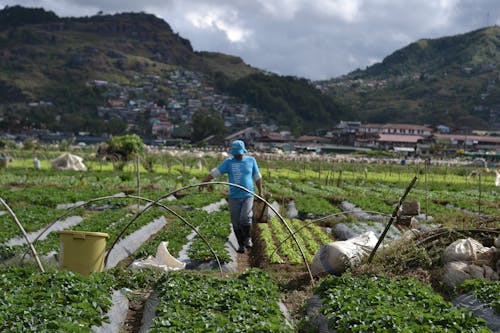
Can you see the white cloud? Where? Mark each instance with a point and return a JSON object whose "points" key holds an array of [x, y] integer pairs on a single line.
{"points": [[214, 19], [346, 10], [280, 9]]}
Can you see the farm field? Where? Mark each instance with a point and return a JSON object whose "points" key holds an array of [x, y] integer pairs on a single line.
{"points": [[268, 288]]}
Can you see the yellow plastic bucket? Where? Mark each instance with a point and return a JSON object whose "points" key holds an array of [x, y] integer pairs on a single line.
{"points": [[82, 251]]}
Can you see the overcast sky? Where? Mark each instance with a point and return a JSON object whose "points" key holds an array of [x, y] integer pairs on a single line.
{"points": [[315, 39]]}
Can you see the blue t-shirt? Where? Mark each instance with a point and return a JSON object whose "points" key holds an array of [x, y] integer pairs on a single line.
{"points": [[242, 172]]}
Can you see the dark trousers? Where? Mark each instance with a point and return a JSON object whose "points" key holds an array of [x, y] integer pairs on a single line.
{"points": [[241, 217]]}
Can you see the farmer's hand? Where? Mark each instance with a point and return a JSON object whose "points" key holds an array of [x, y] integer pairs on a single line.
{"points": [[209, 187], [207, 179]]}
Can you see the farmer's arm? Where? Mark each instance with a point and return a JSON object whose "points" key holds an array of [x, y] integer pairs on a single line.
{"points": [[214, 173], [257, 177], [258, 182]]}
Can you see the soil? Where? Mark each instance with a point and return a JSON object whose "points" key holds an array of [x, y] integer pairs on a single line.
{"points": [[135, 312]]}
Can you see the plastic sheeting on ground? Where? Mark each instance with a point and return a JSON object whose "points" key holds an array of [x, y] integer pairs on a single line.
{"points": [[117, 314], [57, 226], [480, 309], [132, 242], [318, 319]]}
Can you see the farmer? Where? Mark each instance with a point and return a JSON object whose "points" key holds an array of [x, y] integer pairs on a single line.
{"points": [[244, 171]]}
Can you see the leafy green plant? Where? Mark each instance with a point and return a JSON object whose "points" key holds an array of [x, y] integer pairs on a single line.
{"points": [[200, 303], [52, 301], [377, 304]]}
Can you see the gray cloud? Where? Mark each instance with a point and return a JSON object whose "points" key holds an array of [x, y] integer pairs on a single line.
{"points": [[317, 39]]}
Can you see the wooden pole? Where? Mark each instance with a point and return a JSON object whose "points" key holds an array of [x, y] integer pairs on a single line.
{"points": [[394, 213]]}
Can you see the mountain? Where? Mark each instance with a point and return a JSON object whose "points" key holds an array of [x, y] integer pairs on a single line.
{"points": [[47, 58], [447, 81], [451, 81], [41, 53]]}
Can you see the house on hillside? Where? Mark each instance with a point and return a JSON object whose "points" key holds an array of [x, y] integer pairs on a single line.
{"points": [[309, 143], [344, 133], [162, 128]]}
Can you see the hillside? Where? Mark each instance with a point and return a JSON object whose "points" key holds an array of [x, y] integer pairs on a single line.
{"points": [[40, 51], [450, 80], [292, 102], [47, 58]]}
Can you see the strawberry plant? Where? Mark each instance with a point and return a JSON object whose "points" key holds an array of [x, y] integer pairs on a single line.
{"points": [[200, 303], [379, 304], [215, 229], [52, 301]]}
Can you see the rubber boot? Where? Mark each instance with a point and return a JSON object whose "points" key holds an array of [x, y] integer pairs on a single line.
{"points": [[238, 232], [247, 239]]}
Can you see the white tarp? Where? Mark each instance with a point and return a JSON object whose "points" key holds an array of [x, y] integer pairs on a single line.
{"points": [[68, 162]]}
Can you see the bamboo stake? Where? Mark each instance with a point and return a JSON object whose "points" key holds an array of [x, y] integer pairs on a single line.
{"points": [[394, 213]]}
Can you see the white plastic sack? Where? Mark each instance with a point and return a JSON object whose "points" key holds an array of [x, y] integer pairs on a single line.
{"points": [[456, 272], [163, 260], [337, 257], [467, 249]]}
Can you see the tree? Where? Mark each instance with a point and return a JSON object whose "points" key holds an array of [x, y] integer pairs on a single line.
{"points": [[206, 123], [116, 126]]}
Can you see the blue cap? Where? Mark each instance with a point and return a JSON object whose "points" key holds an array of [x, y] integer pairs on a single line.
{"points": [[238, 148]]}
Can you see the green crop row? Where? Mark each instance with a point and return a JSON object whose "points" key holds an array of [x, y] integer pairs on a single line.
{"points": [[175, 232], [309, 237], [379, 304], [199, 303], [216, 230], [52, 301], [270, 248], [308, 204]]}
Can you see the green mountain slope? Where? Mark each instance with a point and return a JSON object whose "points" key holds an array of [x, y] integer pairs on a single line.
{"points": [[41, 53], [450, 80], [294, 103]]}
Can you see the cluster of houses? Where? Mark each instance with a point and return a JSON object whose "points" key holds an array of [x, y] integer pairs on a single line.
{"points": [[350, 136], [185, 94]]}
